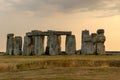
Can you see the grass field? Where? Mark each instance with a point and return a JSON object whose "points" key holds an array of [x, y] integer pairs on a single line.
{"points": [[74, 67]]}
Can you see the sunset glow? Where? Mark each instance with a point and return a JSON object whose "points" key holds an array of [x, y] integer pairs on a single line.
{"points": [[21, 16]]}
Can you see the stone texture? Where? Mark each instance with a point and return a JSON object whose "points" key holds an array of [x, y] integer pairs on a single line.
{"points": [[100, 42], [10, 44], [33, 45], [27, 50], [94, 43], [86, 43], [47, 33], [18, 45], [54, 45], [39, 45], [70, 44]]}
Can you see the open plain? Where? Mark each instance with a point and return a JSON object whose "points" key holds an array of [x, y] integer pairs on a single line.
{"points": [[67, 67]]}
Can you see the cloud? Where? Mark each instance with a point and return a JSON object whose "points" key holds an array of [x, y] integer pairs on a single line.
{"points": [[62, 6]]}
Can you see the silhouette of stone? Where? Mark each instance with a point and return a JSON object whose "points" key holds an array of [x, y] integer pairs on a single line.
{"points": [[18, 45], [70, 44], [10, 44]]}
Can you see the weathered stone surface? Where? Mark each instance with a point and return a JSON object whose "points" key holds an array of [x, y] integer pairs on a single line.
{"points": [[10, 44], [86, 43], [100, 39], [39, 45], [94, 43], [100, 42], [100, 31], [18, 45], [94, 36], [27, 50], [54, 45], [94, 46], [70, 44], [100, 48], [47, 33]]}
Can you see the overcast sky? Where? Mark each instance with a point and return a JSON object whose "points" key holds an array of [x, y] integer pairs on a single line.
{"points": [[21, 16]]}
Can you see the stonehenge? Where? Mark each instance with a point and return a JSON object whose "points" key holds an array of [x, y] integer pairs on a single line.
{"points": [[70, 44], [94, 43], [10, 45], [14, 45], [17, 45], [34, 42]]}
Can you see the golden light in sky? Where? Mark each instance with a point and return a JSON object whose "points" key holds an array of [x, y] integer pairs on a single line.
{"points": [[21, 16]]}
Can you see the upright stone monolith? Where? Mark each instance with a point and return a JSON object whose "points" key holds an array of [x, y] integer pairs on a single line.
{"points": [[94, 45], [86, 43], [10, 44], [70, 44], [27, 49], [39, 45], [100, 41], [54, 45], [18, 45]]}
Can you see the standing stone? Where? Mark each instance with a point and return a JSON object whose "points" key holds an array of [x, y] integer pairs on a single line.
{"points": [[33, 45], [39, 45], [57, 39], [10, 44], [18, 45], [94, 46], [33, 42], [100, 42], [86, 43], [54, 45], [70, 44], [27, 50]]}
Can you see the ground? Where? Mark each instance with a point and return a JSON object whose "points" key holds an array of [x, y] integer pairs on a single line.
{"points": [[74, 67]]}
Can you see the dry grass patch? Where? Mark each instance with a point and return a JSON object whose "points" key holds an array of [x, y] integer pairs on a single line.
{"points": [[16, 63]]}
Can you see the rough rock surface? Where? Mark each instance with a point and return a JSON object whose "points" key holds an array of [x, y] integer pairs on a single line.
{"points": [[94, 43], [100, 42], [27, 50], [54, 45], [70, 44], [18, 45], [39, 45], [86, 43], [10, 44]]}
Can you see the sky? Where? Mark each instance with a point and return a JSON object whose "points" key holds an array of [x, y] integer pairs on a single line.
{"points": [[21, 16]]}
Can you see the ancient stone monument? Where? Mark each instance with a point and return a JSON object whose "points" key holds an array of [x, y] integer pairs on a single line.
{"points": [[17, 45], [10, 45], [14, 45], [94, 43], [100, 42], [70, 44], [34, 43]]}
